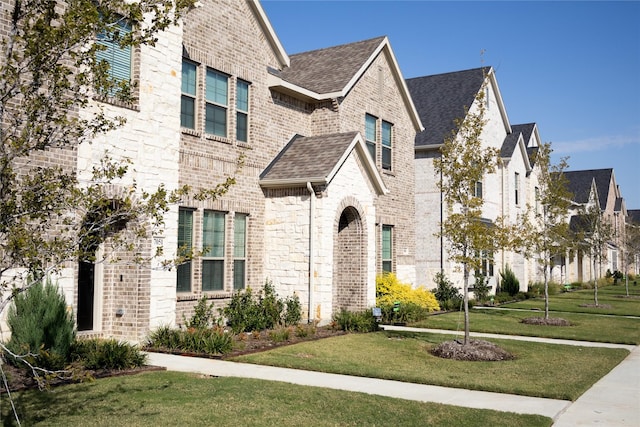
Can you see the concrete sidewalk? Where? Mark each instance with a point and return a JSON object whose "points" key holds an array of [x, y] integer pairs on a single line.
{"points": [[612, 401], [423, 393]]}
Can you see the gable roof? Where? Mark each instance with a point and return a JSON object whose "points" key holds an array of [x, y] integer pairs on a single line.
{"points": [[634, 216], [317, 159], [332, 72], [269, 32], [580, 183], [443, 98]]}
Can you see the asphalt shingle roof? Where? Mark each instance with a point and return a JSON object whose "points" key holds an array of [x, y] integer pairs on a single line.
{"points": [[441, 99], [634, 216], [580, 184], [330, 69], [509, 144], [308, 158]]}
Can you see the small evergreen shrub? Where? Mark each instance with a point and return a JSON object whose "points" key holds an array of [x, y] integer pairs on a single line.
{"points": [[448, 296], [480, 287], [203, 316], [293, 310], [247, 312], [41, 326], [106, 354], [350, 321], [509, 283]]}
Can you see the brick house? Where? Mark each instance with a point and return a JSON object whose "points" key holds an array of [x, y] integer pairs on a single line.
{"points": [[595, 187], [440, 100], [320, 144]]}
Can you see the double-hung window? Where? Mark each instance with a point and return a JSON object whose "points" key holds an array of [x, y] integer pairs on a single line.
{"points": [[185, 244], [387, 251], [386, 145], [216, 97], [213, 239], [477, 191], [239, 251], [188, 100], [371, 134], [242, 111], [487, 263], [116, 56], [516, 184]]}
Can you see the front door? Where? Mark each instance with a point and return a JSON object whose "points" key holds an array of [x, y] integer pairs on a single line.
{"points": [[86, 285]]}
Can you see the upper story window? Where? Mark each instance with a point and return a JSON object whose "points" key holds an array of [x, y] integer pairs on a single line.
{"points": [[118, 57], [216, 97], [242, 110], [387, 129], [371, 134], [185, 244], [477, 191], [516, 184], [537, 196], [188, 99]]}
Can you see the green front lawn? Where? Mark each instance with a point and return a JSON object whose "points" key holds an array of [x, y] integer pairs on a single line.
{"points": [[171, 398], [541, 370], [612, 299], [585, 327]]}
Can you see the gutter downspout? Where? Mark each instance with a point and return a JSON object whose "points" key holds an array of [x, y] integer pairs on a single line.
{"points": [[312, 214]]}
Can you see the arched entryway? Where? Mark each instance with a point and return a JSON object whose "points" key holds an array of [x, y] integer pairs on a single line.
{"points": [[106, 217], [350, 262]]}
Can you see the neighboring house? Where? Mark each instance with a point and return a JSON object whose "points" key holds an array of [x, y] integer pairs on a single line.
{"points": [[598, 188], [440, 100], [321, 146], [633, 236]]}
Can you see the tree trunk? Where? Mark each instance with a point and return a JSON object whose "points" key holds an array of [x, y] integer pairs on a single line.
{"points": [[466, 304], [546, 293]]}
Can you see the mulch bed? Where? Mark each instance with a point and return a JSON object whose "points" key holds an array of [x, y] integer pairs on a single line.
{"points": [[551, 321], [475, 350]]}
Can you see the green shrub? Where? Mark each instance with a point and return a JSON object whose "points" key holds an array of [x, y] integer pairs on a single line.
{"points": [[210, 341], [292, 310], [203, 317], [41, 326], [509, 282], [280, 334], [106, 354], [480, 287], [350, 321], [247, 312], [445, 290], [403, 313]]}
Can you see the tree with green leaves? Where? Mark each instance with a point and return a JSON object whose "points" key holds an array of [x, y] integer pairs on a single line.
{"points": [[593, 233], [631, 252], [463, 164], [54, 82], [547, 230]]}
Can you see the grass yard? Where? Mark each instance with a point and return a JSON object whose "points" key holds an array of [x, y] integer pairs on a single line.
{"points": [[171, 398], [612, 299], [585, 327], [540, 370]]}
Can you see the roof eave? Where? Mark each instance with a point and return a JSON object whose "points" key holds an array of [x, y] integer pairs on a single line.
{"points": [[428, 147], [277, 83], [292, 182]]}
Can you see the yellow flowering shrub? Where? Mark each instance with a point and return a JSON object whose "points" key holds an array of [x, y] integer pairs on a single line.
{"points": [[389, 290]]}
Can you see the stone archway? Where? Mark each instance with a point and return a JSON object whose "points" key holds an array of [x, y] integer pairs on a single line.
{"points": [[350, 262]]}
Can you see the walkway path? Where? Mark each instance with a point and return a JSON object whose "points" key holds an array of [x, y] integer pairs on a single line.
{"points": [[612, 401]]}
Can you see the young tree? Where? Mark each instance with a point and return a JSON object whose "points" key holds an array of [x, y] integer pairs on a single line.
{"points": [[548, 236], [631, 249], [594, 233], [463, 164], [52, 82]]}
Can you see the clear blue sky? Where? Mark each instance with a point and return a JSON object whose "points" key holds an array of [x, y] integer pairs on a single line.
{"points": [[573, 67]]}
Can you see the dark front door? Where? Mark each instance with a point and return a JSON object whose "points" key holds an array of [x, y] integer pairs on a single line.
{"points": [[86, 279]]}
